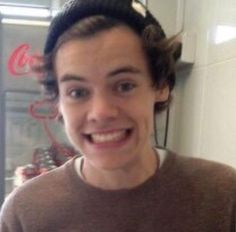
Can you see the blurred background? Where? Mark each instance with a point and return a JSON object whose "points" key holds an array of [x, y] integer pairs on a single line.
{"points": [[201, 121]]}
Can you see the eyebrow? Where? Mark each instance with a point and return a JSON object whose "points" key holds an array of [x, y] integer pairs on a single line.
{"points": [[71, 77], [125, 69]]}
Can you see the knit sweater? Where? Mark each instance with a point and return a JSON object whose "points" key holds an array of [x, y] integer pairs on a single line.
{"points": [[184, 195]]}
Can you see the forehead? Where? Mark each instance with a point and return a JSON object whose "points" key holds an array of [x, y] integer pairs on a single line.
{"points": [[103, 51]]}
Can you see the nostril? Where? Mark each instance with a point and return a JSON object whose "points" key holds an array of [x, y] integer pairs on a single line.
{"points": [[103, 112]]}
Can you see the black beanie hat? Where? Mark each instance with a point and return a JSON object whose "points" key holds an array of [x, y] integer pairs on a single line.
{"points": [[131, 12]]}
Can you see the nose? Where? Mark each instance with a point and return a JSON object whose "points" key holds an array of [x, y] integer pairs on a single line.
{"points": [[103, 108]]}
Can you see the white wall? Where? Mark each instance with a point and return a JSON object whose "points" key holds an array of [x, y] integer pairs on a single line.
{"points": [[203, 120]]}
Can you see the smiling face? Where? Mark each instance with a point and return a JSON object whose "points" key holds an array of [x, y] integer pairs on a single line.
{"points": [[106, 98]]}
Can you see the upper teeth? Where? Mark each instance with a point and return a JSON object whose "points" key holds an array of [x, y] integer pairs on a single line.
{"points": [[108, 137]]}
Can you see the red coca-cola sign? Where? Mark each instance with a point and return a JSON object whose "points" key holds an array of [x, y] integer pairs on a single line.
{"points": [[21, 61]]}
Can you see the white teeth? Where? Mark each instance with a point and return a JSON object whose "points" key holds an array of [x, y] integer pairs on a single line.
{"points": [[108, 137]]}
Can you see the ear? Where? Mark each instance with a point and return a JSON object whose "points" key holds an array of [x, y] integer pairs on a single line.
{"points": [[162, 93]]}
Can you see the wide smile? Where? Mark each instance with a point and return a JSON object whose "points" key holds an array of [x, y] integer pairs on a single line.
{"points": [[109, 137]]}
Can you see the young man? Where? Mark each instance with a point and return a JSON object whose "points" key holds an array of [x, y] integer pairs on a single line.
{"points": [[109, 67]]}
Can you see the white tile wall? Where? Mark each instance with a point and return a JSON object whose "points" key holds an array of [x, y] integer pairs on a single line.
{"points": [[204, 116], [190, 110], [219, 114]]}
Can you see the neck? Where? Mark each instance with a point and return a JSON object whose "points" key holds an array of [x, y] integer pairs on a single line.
{"points": [[126, 177]]}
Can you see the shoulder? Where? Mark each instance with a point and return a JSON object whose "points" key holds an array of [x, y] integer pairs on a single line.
{"points": [[203, 174], [45, 182], [40, 190], [195, 165]]}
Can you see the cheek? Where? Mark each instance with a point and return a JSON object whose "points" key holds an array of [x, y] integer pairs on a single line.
{"points": [[145, 118], [69, 129], [71, 118], [72, 129], [72, 123]]}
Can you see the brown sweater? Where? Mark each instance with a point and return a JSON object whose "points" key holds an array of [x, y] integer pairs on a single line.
{"points": [[185, 195]]}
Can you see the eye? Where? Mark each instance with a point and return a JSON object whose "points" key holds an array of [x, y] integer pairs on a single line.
{"points": [[78, 93], [125, 87]]}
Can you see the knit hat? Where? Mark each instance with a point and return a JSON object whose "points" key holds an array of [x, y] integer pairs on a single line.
{"points": [[131, 12]]}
